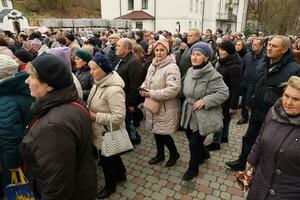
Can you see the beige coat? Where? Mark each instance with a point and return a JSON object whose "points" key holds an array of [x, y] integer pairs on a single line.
{"points": [[164, 83], [107, 100]]}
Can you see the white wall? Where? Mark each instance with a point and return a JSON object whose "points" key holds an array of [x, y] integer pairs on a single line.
{"points": [[168, 12], [110, 9]]}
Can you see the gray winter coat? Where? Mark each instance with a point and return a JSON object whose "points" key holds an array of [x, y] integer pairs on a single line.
{"points": [[206, 84]]}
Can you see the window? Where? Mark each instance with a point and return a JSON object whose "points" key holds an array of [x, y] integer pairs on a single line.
{"points": [[139, 25], [191, 5], [195, 24], [4, 3], [144, 4], [197, 6], [190, 24], [130, 5]]}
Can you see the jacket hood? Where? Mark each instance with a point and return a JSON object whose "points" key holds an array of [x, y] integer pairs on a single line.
{"points": [[53, 99], [168, 60], [279, 115], [112, 79], [15, 85]]}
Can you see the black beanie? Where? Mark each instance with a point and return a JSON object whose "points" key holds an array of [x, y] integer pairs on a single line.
{"points": [[70, 37], [53, 70], [24, 55], [228, 46]]}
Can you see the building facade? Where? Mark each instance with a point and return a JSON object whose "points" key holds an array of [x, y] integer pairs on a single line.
{"points": [[178, 15], [11, 19]]}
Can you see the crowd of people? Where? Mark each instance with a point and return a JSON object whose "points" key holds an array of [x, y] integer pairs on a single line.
{"points": [[59, 91]]}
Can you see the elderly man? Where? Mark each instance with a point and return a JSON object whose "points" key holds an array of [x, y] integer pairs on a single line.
{"points": [[265, 89], [132, 73], [110, 50], [193, 37]]}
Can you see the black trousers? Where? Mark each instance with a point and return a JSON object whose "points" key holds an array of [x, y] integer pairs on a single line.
{"points": [[113, 169], [250, 137], [244, 112], [197, 149], [161, 141]]}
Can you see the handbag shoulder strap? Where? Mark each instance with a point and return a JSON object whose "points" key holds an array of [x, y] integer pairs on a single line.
{"points": [[80, 106]]}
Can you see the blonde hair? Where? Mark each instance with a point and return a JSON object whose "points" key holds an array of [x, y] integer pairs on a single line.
{"points": [[31, 71], [294, 82]]}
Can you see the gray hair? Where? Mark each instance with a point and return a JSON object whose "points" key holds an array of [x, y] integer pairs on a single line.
{"points": [[127, 43], [285, 40]]}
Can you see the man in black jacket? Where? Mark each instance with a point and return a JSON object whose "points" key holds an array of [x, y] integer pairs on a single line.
{"points": [[265, 89], [249, 63], [132, 73]]}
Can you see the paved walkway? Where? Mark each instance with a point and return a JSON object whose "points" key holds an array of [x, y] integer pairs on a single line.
{"points": [[145, 182]]}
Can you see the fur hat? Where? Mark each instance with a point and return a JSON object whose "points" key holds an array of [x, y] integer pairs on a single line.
{"points": [[53, 70], [165, 43], [103, 62], [8, 67], [228, 46], [204, 48]]}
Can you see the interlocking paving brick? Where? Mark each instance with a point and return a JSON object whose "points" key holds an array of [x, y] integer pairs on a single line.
{"points": [[205, 189], [129, 194], [156, 188], [157, 195], [225, 195], [147, 192], [235, 191], [167, 191], [151, 182]]}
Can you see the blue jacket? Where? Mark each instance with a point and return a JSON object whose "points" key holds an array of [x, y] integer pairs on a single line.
{"points": [[15, 102], [266, 88]]}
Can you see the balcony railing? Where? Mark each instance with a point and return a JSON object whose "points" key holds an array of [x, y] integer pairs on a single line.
{"points": [[229, 17]]}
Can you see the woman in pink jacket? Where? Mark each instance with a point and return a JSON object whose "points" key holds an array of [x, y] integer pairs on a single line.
{"points": [[161, 87]]}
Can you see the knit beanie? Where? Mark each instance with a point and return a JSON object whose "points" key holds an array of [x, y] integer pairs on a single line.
{"points": [[84, 55], [204, 48], [64, 53], [24, 55], [228, 46], [53, 71], [8, 67], [103, 62], [164, 42]]}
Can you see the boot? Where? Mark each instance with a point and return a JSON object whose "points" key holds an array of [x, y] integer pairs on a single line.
{"points": [[172, 160]]}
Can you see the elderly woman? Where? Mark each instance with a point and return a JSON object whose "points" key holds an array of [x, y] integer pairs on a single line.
{"points": [[57, 146], [83, 71], [276, 153], [205, 91], [15, 102], [107, 104], [162, 85]]}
